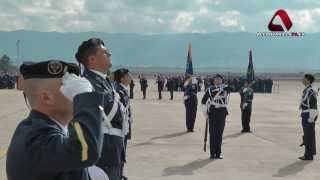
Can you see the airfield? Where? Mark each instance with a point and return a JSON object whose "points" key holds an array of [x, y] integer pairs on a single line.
{"points": [[162, 150]]}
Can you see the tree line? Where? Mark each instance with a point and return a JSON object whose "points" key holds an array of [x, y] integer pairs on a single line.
{"points": [[6, 64]]}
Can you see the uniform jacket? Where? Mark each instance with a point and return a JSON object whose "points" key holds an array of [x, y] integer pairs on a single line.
{"points": [[113, 145], [41, 150], [309, 99], [217, 96], [125, 101], [246, 95], [190, 90]]}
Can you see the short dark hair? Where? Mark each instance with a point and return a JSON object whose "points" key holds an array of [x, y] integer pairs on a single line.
{"points": [[218, 76], [88, 48], [119, 74], [309, 77]]}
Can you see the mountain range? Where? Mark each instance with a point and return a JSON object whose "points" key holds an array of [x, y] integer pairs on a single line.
{"points": [[227, 51]]}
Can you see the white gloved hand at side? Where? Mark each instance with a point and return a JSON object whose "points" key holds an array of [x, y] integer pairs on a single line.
{"points": [[312, 115], [244, 105], [204, 110], [97, 173], [73, 85]]}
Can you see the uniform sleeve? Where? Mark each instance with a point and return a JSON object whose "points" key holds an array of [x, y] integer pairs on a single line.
{"points": [[241, 91], [205, 97], [186, 89], [241, 95], [122, 98], [56, 152], [313, 100], [252, 94]]}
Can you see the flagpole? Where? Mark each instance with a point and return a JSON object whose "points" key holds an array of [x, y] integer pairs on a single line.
{"points": [[18, 52]]}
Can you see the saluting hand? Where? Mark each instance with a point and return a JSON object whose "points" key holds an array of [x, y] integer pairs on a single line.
{"points": [[73, 85]]}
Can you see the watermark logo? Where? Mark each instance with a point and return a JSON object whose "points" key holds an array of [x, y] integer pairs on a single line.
{"points": [[280, 30], [285, 20]]}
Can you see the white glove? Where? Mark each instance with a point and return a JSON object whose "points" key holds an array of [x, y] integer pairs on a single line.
{"points": [[97, 174], [116, 95], [244, 105], [194, 80], [204, 110], [73, 85], [312, 115]]}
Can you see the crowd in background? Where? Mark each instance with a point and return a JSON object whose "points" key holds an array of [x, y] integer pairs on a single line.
{"points": [[171, 82], [7, 80], [259, 85], [175, 82]]}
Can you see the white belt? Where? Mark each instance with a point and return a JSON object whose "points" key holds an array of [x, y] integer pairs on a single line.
{"points": [[112, 131], [220, 105], [108, 118], [217, 105], [308, 110]]}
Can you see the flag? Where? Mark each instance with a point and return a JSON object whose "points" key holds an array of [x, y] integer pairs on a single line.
{"points": [[189, 68], [250, 71]]}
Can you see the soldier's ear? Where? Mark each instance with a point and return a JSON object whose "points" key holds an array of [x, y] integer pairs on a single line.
{"points": [[91, 61]]}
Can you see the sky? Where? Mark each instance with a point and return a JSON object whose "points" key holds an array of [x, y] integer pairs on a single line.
{"points": [[155, 16]]}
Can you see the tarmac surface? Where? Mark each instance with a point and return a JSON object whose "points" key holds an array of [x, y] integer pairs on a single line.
{"points": [[161, 148]]}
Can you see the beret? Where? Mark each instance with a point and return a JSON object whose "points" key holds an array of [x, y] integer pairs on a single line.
{"points": [[47, 69]]}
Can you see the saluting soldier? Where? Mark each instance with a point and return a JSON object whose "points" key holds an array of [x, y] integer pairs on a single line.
{"points": [[122, 79], [215, 107], [190, 101], [246, 95], [309, 115], [61, 137], [96, 59]]}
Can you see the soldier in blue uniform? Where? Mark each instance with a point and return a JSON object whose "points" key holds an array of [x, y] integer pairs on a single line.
{"points": [[122, 79], [190, 102], [61, 137], [131, 88], [143, 86], [170, 85], [96, 59], [214, 105], [246, 95], [309, 115], [160, 82]]}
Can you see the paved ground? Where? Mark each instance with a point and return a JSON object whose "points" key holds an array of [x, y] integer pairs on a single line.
{"points": [[162, 150]]}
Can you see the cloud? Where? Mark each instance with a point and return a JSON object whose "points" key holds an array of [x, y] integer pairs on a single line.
{"points": [[306, 19], [182, 22], [230, 19], [154, 16]]}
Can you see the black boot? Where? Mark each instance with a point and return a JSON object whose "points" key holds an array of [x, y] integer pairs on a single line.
{"points": [[306, 158]]}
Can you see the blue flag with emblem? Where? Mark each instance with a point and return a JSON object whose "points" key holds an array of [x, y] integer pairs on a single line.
{"points": [[189, 68], [250, 71]]}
